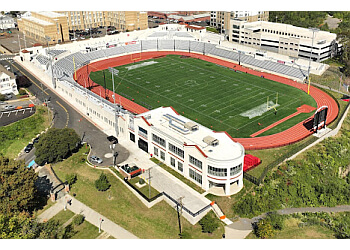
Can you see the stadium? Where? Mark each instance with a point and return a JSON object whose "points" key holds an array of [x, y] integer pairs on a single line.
{"points": [[213, 98]]}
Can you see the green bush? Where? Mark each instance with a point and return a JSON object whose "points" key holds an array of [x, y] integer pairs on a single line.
{"points": [[185, 235], [209, 223], [276, 220], [71, 178], [102, 183], [22, 92], [2, 98], [264, 229], [79, 219], [141, 181]]}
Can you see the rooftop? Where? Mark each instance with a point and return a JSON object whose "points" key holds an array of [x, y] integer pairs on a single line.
{"points": [[49, 14], [37, 20], [5, 71], [224, 147]]}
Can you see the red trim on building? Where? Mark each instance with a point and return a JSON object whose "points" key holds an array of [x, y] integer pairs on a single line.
{"points": [[236, 176], [229, 136], [176, 157], [197, 148], [158, 146], [143, 137], [149, 124], [194, 168], [173, 110], [131, 130], [217, 179]]}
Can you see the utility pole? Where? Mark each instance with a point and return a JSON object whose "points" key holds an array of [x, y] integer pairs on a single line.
{"points": [[149, 182], [179, 213], [308, 73]]}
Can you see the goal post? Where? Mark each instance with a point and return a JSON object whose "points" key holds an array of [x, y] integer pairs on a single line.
{"points": [[268, 107], [136, 56]]}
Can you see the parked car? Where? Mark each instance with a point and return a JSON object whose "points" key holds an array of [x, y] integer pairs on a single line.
{"points": [[2, 103], [36, 140], [9, 107], [29, 147], [8, 96], [95, 159]]}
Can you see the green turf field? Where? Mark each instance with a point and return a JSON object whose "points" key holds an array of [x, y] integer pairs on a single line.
{"points": [[214, 96]]}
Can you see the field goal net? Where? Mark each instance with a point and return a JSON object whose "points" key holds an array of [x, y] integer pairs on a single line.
{"points": [[272, 105]]}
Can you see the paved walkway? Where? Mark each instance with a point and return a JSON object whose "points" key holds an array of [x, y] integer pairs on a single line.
{"points": [[241, 228], [162, 180], [91, 216], [94, 218]]}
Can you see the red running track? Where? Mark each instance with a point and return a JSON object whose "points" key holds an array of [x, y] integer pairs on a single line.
{"points": [[289, 136]]}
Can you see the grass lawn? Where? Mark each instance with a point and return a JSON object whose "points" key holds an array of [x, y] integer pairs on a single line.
{"points": [[63, 216], [292, 231], [158, 222], [144, 189], [14, 137], [214, 96], [85, 231]]}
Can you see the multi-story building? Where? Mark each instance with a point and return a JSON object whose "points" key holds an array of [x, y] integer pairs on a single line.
{"points": [[221, 19], [284, 39], [45, 24], [7, 82], [208, 158], [127, 20], [78, 20], [7, 22]]}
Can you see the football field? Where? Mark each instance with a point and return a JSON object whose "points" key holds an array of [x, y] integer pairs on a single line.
{"points": [[214, 96]]}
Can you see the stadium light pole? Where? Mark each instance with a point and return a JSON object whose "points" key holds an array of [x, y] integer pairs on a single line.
{"points": [[308, 72], [114, 71]]}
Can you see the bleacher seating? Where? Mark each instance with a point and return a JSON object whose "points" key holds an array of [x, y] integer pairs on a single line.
{"points": [[56, 52]]}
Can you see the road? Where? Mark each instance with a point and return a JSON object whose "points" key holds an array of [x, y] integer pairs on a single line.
{"points": [[66, 116]]}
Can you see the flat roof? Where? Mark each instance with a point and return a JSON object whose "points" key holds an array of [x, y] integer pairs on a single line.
{"points": [[37, 20], [226, 149], [51, 14]]}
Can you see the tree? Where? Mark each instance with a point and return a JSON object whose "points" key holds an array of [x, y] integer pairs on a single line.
{"points": [[17, 186], [209, 223], [2, 98], [56, 145], [23, 226], [23, 82], [71, 178], [79, 219], [102, 183]]}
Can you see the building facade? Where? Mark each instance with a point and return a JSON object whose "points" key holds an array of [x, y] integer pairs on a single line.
{"points": [[80, 20], [221, 19], [207, 158], [7, 22], [7, 82], [127, 20], [45, 24], [284, 39]]}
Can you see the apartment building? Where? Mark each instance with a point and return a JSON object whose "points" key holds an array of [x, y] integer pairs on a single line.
{"points": [[127, 20], [45, 24], [7, 82], [221, 19], [284, 39], [79, 20]]}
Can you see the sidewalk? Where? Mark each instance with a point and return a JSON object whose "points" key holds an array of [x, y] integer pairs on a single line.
{"points": [[94, 218]]}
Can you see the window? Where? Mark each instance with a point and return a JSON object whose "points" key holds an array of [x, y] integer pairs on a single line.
{"points": [[235, 170], [158, 140], [195, 162], [172, 161], [217, 171], [162, 155], [180, 166], [132, 137], [176, 150], [142, 132], [155, 150], [195, 176]]}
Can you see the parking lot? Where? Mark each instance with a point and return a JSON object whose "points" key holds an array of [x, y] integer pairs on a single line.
{"points": [[16, 40]]}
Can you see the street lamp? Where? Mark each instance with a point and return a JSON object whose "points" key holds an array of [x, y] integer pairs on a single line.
{"points": [[99, 228], [308, 72]]}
